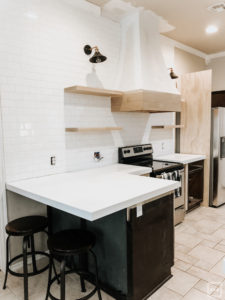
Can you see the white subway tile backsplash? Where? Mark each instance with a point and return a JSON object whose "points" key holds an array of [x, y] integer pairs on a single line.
{"points": [[41, 53]]}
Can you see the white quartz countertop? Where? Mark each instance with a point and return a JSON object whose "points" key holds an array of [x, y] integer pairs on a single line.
{"points": [[181, 158], [95, 193]]}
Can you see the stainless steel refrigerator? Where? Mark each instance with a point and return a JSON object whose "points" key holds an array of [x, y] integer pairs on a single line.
{"points": [[217, 161]]}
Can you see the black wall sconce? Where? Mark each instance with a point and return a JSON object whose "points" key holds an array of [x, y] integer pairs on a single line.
{"points": [[172, 74], [97, 57]]}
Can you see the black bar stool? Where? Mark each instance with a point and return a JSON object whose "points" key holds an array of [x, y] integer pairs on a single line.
{"points": [[65, 245], [25, 227]]}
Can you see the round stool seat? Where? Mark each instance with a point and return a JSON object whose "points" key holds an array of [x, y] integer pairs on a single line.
{"points": [[26, 226], [69, 242]]}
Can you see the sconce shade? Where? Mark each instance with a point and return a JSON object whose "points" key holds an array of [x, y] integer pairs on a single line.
{"points": [[97, 58], [172, 74]]}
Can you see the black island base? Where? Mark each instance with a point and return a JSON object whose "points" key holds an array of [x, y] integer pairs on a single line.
{"points": [[135, 254]]}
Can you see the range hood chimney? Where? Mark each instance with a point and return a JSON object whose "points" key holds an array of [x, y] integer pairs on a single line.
{"points": [[141, 66], [141, 62]]}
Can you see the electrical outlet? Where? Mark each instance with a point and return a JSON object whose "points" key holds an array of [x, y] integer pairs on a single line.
{"points": [[53, 160]]}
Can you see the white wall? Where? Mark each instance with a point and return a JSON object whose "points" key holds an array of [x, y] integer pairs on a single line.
{"points": [[3, 214], [218, 73], [89, 111], [41, 53]]}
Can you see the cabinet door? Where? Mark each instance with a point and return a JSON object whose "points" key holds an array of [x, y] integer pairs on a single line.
{"points": [[151, 246]]}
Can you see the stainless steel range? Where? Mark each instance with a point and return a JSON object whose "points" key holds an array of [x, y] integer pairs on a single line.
{"points": [[142, 155]]}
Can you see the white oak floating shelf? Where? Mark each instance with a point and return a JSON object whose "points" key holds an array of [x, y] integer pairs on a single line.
{"points": [[167, 126], [98, 129], [145, 101], [83, 90]]}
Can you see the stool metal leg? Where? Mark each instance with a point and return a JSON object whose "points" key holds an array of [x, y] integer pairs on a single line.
{"points": [[49, 277], [96, 275], [82, 283], [7, 262], [53, 264], [62, 276], [33, 253], [56, 275], [25, 271]]}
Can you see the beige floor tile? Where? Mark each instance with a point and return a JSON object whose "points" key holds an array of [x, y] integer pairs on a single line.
{"points": [[222, 242], [207, 226], [165, 294], [208, 237], [186, 239], [197, 295], [186, 258], [209, 244], [205, 265], [194, 215], [204, 275], [8, 296], [205, 287], [181, 265], [220, 247], [219, 293], [219, 234], [182, 248], [4, 293], [181, 282], [206, 254], [219, 268]]}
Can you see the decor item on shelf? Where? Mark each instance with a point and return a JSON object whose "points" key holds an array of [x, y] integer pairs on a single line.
{"points": [[172, 74], [97, 57]]}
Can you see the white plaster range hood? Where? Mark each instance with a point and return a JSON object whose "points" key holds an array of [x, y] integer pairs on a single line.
{"points": [[142, 73]]}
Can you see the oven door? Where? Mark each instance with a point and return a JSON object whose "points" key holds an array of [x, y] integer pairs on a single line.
{"points": [[179, 201], [179, 210]]}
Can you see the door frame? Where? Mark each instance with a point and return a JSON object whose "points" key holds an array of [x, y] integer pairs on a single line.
{"points": [[3, 205]]}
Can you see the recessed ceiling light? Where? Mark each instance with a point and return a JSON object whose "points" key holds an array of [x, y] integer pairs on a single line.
{"points": [[211, 29]]}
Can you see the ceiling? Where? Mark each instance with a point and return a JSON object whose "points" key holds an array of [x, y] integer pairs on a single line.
{"points": [[190, 19]]}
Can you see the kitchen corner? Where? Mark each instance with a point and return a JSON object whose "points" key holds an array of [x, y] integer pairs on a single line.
{"points": [[112, 150]]}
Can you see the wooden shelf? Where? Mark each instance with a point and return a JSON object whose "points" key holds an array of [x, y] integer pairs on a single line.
{"points": [[92, 91], [92, 129], [167, 126], [146, 101]]}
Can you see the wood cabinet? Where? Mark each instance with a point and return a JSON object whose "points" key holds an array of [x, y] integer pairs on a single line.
{"points": [[195, 184], [196, 117]]}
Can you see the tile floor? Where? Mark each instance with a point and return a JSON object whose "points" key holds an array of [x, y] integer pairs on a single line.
{"points": [[198, 273], [199, 270]]}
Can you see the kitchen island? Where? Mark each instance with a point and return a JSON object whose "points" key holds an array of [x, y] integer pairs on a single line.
{"points": [[131, 215]]}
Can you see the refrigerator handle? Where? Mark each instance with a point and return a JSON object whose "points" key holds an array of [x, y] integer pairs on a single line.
{"points": [[222, 147]]}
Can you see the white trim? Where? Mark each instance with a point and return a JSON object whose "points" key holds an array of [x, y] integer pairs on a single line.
{"points": [[185, 47], [216, 55], [194, 51], [3, 205]]}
